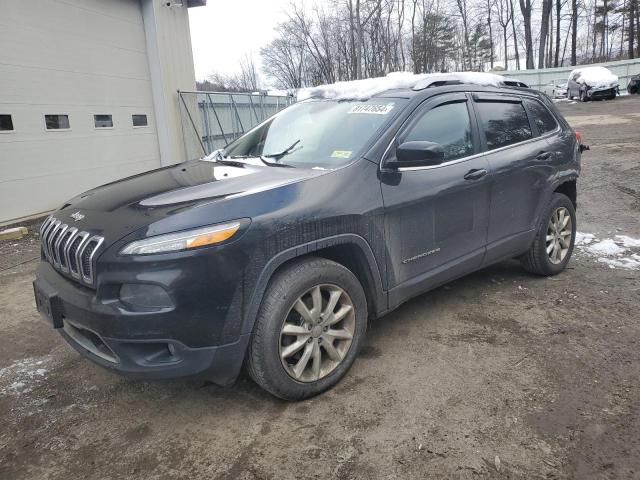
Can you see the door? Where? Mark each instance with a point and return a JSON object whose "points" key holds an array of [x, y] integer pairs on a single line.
{"points": [[521, 162], [436, 217]]}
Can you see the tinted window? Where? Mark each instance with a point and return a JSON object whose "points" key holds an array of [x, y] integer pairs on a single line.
{"points": [[139, 120], [449, 125], [541, 116], [504, 123], [6, 123], [57, 122], [103, 121]]}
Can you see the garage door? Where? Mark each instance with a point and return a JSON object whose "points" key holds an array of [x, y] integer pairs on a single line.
{"points": [[76, 108]]}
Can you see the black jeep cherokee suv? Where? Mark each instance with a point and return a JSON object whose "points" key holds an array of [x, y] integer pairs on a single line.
{"points": [[275, 252]]}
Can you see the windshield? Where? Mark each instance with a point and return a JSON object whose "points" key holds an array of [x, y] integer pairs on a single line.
{"points": [[321, 134]]}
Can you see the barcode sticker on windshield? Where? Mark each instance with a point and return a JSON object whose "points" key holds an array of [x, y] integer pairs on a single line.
{"points": [[372, 109]]}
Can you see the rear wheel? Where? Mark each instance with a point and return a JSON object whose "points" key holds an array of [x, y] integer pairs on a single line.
{"points": [[309, 329], [553, 245]]}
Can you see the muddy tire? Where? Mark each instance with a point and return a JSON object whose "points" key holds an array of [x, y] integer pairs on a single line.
{"points": [[554, 241], [310, 326]]}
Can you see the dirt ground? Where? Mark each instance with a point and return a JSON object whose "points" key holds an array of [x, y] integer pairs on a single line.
{"points": [[497, 375]]}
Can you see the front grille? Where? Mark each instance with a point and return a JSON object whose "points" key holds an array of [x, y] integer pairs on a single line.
{"points": [[70, 250]]}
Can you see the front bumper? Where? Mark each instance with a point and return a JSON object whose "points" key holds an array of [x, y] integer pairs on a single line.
{"points": [[134, 343], [601, 92]]}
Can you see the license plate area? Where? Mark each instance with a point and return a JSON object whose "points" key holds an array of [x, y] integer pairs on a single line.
{"points": [[48, 304]]}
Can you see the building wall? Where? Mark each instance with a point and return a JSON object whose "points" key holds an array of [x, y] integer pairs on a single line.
{"points": [[80, 58], [171, 62]]}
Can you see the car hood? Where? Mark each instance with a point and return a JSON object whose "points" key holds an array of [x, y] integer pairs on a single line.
{"points": [[118, 208]]}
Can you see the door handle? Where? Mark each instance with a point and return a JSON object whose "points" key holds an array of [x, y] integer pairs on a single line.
{"points": [[475, 174], [544, 156]]}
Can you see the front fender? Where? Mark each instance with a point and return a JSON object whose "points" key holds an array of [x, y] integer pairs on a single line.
{"points": [[379, 294]]}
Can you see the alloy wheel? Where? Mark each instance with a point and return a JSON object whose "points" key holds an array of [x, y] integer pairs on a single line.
{"points": [[559, 232], [317, 333]]}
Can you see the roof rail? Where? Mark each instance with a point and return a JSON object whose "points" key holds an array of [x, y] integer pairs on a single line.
{"points": [[515, 83], [454, 79]]}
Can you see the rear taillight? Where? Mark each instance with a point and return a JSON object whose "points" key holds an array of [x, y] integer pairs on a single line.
{"points": [[581, 145]]}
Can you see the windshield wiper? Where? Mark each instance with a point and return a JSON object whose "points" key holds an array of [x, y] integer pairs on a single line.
{"points": [[284, 152], [259, 157]]}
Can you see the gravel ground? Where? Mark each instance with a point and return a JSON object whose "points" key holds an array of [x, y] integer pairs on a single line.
{"points": [[497, 375]]}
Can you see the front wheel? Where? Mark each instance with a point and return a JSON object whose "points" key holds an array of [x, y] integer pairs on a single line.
{"points": [[309, 329], [553, 245]]}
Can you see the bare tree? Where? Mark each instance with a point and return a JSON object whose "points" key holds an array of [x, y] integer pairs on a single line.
{"points": [[544, 31], [525, 9]]}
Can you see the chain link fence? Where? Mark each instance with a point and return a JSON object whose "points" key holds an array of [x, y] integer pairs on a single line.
{"points": [[218, 118]]}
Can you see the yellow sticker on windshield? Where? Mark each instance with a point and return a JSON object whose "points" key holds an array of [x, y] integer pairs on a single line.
{"points": [[341, 154]]}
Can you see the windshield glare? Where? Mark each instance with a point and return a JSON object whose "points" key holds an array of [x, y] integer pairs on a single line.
{"points": [[321, 133]]}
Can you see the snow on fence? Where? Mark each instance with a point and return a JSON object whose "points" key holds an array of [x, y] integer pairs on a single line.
{"points": [[624, 69]]}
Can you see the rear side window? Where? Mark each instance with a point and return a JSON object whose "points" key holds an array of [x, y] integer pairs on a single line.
{"points": [[541, 117], [503, 123], [449, 125]]}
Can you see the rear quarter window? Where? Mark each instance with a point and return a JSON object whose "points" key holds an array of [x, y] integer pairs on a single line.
{"points": [[541, 116], [503, 123]]}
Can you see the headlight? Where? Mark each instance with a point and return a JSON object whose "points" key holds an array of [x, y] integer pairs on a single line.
{"points": [[186, 240]]}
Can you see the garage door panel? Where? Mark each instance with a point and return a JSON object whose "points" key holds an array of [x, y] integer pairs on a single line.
{"points": [[32, 86], [114, 22]]}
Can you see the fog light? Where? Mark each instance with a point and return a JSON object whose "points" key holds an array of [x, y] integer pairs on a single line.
{"points": [[144, 295]]}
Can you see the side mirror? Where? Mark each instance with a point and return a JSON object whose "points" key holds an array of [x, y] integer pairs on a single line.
{"points": [[416, 154]]}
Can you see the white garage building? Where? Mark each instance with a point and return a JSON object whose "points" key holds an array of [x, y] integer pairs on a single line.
{"points": [[88, 94]]}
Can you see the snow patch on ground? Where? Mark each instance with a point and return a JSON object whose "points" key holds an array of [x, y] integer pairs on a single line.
{"points": [[621, 251], [583, 238], [628, 241], [367, 88], [605, 247], [558, 100], [22, 376]]}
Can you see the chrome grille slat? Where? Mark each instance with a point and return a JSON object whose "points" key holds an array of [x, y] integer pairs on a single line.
{"points": [[71, 234], [46, 235], [76, 254], [65, 248], [56, 239]]}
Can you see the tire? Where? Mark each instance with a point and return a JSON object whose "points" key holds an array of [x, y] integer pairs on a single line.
{"points": [[537, 259], [280, 326]]}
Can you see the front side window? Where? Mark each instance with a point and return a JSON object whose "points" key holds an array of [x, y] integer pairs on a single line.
{"points": [[541, 116], [317, 133], [57, 122], [448, 125], [503, 123]]}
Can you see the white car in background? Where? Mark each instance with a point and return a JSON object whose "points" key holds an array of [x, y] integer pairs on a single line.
{"points": [[590, 83], [556, 89]]}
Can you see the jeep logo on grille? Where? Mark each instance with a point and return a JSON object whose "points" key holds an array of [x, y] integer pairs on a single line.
{"points": [[77, 216]]}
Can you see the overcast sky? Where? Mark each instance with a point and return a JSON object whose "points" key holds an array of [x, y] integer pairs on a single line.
{"points": [[225, 30]]}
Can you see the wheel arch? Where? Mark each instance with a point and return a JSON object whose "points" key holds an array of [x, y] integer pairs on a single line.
{"points": [[350, 250], [570, 189]]}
